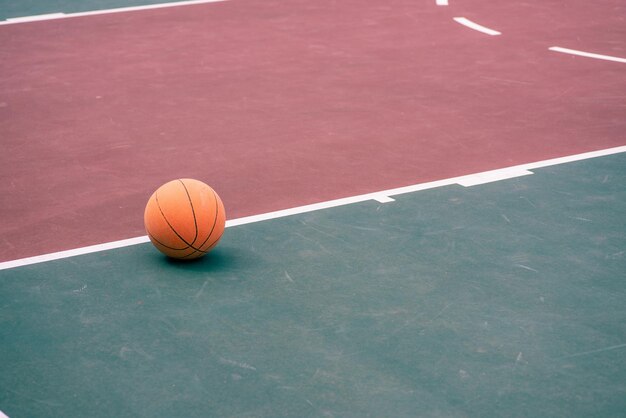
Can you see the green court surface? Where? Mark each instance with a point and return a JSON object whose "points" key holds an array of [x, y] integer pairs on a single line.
{"points": [[503, 299], [12, 9]]}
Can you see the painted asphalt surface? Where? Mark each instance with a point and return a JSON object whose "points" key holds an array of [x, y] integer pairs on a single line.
{"points": [[506, 296], [279, 105], [498, 299]]}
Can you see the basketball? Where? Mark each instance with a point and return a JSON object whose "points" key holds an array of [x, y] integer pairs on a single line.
{"points": [[185, 218]]}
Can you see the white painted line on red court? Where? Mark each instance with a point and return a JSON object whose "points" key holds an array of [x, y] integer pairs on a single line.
{"points": [[74, 252], [494, 175], [471, 179], [48, 16], [472, 25], [441, 2], [53, 16], [587, 54]]}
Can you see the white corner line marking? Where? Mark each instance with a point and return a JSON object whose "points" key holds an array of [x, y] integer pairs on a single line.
{"points": [[472, 179], [441, 2], [2, 415], [53, 16], [472, 25], [586, 54]]}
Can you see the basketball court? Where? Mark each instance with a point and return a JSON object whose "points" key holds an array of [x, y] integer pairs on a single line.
{"points": [[425, 208]]}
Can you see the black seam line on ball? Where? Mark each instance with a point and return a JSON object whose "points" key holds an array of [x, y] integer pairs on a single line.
{"points": [[217, 208], [166, 246], [193, 212], [156, 197]]}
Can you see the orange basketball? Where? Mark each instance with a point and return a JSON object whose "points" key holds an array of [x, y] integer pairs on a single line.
{"points": [[184, 218]]}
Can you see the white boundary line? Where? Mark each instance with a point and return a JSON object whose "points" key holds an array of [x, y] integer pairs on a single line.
{"points": [[587, 54], [48, 16], [441, 2], [472, 25], [381, 196], [495, 175], [53, 16]]}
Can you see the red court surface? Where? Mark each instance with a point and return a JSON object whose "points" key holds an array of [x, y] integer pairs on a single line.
{"points": [[281, 104]]}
